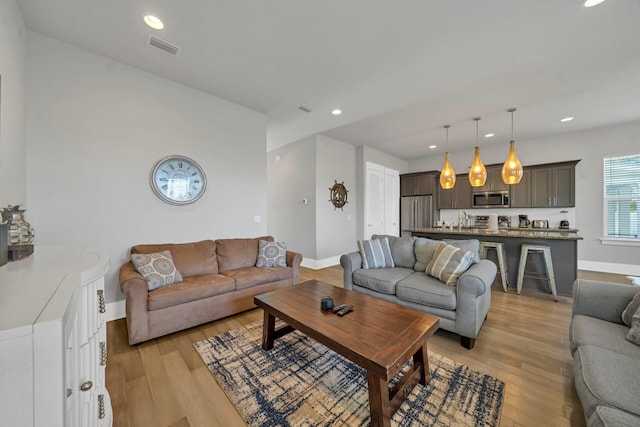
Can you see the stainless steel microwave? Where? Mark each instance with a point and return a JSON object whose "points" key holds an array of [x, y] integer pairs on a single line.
{"points": [[491, 199]]}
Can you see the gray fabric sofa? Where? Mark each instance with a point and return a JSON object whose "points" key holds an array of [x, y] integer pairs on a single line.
{"points": [[606, 365], [462, 309]]}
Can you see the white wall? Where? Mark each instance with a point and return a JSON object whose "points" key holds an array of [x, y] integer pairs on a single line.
{"points": [[305, 170], [590, 146], [95, 129], [291, 174], [13, 174], [335, 228]]}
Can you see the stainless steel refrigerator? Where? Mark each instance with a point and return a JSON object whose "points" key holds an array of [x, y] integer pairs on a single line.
{"points": [[417, 212]]}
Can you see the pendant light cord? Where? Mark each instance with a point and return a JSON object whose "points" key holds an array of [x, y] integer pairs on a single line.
{"points": [[446, 145], [511, 110]]}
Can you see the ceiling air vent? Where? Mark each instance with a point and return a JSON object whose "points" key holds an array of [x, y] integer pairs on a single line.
{"points": [[163, 45], [305, 108]]}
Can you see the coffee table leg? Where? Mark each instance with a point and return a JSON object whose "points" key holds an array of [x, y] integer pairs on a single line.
{"points": [[268, 330], [422, 358], [379, 401]]}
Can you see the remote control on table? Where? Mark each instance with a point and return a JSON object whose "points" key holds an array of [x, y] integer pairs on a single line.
{"points": [[339, 307], [345, 310]]}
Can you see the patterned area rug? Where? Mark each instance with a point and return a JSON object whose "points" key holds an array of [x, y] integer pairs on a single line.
{"points": [[300, 382]]}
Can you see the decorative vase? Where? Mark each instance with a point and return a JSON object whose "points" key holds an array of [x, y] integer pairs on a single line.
{"points": [[20, 231]]}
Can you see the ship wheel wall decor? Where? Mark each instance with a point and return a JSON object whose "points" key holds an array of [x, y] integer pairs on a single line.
{"points": [[338, 194]]}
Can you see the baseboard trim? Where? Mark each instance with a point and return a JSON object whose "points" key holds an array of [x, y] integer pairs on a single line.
{"points": [[116, 310], [317, 264], [608, 267]]}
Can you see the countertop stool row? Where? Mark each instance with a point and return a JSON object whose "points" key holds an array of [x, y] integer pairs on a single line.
{"points": [[526, 249]]}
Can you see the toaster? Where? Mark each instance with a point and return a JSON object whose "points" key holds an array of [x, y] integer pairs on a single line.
{"points": [[539, 223]]}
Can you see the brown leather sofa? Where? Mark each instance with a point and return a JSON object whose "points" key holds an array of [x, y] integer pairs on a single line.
{"points": [[219, 279]]}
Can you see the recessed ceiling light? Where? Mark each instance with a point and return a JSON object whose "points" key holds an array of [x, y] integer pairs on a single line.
{"points": [[567, 119], [489, 135], [153, 22], [336, 112], [590, 3], [433, 146]]}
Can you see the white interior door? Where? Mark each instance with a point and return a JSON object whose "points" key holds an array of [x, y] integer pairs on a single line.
{"points": [[374, 215], [391, 202]]}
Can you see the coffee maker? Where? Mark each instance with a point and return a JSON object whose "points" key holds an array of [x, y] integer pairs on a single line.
{"points": [[564, 222], [523, 221]]}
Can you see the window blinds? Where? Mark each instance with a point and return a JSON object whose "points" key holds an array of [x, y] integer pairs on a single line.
{"points": [[622, 196]]}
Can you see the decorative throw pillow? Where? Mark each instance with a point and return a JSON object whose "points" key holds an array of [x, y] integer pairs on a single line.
{"points": [[448, 263], [634, 332], [472, 245], [402, 251], [271, 254], [157, 269], [632, 308], [424, 249], [375, 253]]}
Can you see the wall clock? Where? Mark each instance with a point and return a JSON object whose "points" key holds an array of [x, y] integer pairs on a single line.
{"points": [[178, 180]]}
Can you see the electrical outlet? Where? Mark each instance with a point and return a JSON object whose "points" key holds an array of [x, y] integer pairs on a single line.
{"points": [[257, 218]]}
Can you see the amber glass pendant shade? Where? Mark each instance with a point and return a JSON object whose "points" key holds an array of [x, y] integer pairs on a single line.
{"points": [[512, 168], [447, 174], [477, 173]]}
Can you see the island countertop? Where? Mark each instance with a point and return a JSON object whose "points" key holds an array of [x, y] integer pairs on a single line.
{"points": [[563, 245], [529, 233]]}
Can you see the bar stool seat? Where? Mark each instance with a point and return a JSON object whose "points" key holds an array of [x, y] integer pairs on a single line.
{"points": [[546, 251], [502, 260]]}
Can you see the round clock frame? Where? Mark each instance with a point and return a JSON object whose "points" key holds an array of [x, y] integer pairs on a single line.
{"points": [[179, 167]]}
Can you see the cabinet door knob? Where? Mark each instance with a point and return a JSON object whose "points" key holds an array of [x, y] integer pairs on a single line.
{"points": [[86, 386]]}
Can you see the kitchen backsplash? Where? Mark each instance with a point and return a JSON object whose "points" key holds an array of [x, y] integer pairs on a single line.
{"points": [[553, 215]]}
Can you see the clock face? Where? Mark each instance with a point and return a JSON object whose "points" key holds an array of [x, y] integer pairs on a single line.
{"points": [[178, 180]]}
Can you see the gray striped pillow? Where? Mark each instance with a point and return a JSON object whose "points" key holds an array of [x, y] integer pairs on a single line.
{"points": [[375, 253], [448, 263]]}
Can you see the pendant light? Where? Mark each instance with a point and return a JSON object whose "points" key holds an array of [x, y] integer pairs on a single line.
{"points": [[447, 174], [477, 173], [512, 168]]}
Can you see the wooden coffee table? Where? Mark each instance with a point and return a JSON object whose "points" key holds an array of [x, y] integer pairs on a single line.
{"points": [[378, 335]]}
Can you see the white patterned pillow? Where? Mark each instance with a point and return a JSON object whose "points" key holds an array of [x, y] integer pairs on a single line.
{"points": [[448, 263], [271, 254], [634, 332], [375, 253], [157, 269]]}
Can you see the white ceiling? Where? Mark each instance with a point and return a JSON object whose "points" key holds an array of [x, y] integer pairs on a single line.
{"points": [[399, 70]]}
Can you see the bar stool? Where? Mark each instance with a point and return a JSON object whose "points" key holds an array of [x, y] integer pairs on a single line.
{"points": [[546, 251], [502, 260]]}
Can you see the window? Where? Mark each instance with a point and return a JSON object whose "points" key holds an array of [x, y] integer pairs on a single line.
{"points": [[622, 197]]}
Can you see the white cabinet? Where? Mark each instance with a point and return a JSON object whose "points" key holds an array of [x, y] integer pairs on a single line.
{"points": [[53, 339]]}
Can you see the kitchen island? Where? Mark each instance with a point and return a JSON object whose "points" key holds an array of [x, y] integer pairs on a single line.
{"points": [[563, 244]]}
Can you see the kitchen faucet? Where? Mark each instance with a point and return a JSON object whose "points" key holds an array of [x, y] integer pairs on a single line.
{"points": [[462, 216]]}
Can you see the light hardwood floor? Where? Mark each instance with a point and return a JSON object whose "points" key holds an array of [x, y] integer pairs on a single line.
{"points": [[524, 342]]}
